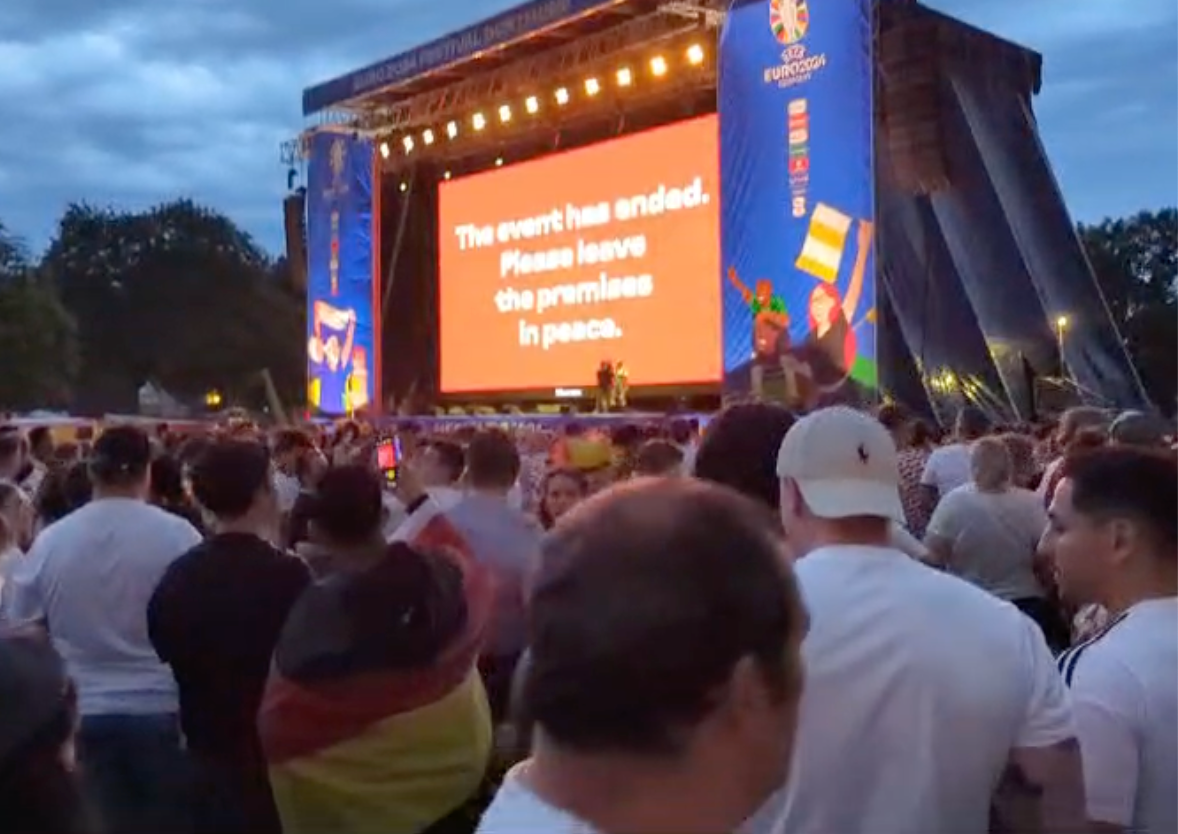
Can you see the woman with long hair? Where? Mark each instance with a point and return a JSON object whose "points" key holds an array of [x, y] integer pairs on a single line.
{"points": [[560, 491]]}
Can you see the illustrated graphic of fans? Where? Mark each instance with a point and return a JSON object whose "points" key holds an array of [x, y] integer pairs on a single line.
{"points": [[771, 343], [831, 351], [335, 330]]}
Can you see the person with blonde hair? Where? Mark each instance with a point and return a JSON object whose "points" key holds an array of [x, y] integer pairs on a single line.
{"points": [[987, 532]]}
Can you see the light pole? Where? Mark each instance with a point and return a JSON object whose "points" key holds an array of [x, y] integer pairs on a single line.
{"points": [[1061, 326]]}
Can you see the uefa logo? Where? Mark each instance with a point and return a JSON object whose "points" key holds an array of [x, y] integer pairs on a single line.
{"points": [[789, 20]]}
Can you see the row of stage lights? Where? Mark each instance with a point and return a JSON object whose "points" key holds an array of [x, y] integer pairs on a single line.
{"points": [[658, 67]]}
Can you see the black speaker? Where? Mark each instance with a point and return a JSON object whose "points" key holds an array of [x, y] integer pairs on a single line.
{"points": [[295, 217]]}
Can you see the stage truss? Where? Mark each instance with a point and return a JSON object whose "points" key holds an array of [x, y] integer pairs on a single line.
{"points": [[671, 20]]}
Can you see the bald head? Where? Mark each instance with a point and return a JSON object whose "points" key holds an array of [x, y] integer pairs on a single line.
{"points": [[648, 596]]}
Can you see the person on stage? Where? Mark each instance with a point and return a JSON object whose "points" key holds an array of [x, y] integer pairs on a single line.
{"points": [[605, 385], [621, 386]]}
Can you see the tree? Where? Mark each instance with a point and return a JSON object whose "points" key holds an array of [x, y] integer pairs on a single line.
{"points": [[37, 335], [178, 296], [1135, 260]]}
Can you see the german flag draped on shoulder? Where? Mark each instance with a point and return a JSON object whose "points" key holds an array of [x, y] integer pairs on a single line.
{"points": [[375, 718]]}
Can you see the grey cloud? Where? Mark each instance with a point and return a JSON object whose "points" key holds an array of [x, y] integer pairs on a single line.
{"points": [[132, 102]]}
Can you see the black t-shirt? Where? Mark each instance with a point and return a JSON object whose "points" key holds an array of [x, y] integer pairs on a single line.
{"points": [[215, 618]]}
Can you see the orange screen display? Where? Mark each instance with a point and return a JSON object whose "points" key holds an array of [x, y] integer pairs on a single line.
{"points": [[609, 252]]}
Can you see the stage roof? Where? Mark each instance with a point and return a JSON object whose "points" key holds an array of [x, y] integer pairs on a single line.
{"points": [[519, 32]]}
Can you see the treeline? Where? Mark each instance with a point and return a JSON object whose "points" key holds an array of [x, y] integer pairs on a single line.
{"points": [[178, 297], [182, 298]]}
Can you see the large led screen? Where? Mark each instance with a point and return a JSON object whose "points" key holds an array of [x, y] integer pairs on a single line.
{"points": [[609, 252]]}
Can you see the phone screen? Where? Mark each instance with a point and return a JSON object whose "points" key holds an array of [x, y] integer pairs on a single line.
{"points": [[388, 458]]}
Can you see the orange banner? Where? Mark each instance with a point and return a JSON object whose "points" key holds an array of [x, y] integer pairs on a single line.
{"points": [[609, 252]]}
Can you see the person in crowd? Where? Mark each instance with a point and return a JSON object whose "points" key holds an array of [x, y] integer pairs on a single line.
{"points": [[63, 492], [913, 460], [39, 789], [295, 525], [290, 448], [374, 718], [1136, 428], [947, 466], [738, 447], [1114, 540], [65, 455], [894, 663], [16, 534], [88, 579], [560, 491], [168, 491], [13, 453], [214, 619], [497, 536], [987, 532], [1079, 428], [440, 464], [672, 715], [1024, 473], [685, 434], [657, 459], [41, 446]]}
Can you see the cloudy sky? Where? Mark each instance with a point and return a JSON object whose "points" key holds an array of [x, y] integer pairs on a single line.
{"points": [[133, 102]]}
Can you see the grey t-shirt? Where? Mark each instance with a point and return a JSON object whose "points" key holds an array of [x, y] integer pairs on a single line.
{"points": [[993, 537]]}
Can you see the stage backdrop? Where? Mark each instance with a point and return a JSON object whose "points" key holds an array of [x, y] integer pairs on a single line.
{"points": [[797, 204], [341, 347]]}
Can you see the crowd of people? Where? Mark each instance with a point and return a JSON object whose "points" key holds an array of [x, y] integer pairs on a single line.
{"points": [[827, 624]]}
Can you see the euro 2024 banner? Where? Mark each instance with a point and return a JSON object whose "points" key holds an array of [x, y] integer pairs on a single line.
{"points": [[797, 217], [340, 332]]}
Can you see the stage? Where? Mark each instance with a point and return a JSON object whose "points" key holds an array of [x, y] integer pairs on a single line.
{"points": [[793, 199]]}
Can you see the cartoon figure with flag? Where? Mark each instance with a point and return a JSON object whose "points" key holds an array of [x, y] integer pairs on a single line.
{"points": [[771, 342]]}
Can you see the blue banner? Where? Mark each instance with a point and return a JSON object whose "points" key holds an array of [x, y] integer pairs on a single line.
{"points": [[513, 24], [797, 207], [340, 334]]}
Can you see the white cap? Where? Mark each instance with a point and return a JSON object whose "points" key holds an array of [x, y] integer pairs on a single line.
{"points": [[844, 463]]}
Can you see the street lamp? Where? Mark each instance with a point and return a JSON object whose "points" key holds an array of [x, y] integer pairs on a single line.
{"points": [[1061, 326]]}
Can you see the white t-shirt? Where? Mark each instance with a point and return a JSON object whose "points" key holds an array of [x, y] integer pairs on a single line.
{"points": [[89, 577], [286, 490], [918, 687], [1125, 694], [993, 536], [947, 468], [8, 561], [517, 810]]}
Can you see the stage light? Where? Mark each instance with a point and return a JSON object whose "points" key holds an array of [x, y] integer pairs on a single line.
{"points": [[658, 66], [445, 175], [592, 86], [427, 136], [695, 54], [452, 129], [498, 162], [385, 150], [478, 121], [532, 104], [625, 77], [562, 95], [504, 113], [404, 187], [408, 143]]}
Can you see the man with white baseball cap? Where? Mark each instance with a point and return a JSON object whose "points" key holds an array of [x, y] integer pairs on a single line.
{"points": [[923, 692]]}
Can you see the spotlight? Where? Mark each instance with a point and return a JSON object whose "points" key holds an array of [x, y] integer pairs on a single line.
{"points": [[498, 162], [385, 150], [532, 104], [592, 86], [562, 95], [452, 129], [408, 143], [445, 175], [504, 113], [404, 187], [625, 77], [478, 121], [695, 54], [427, 136], [658, 66]]}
